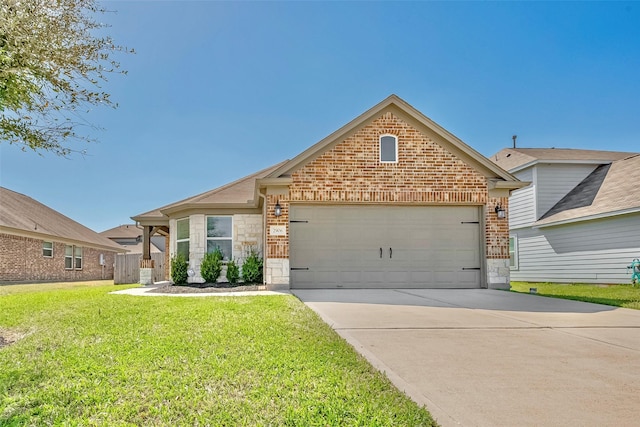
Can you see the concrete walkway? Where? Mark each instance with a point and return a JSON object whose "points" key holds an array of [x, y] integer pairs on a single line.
{"points": [[496, 358], [147, 291]]}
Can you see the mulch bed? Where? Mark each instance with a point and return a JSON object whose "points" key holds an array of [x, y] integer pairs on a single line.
{"points": [[200, 288]]}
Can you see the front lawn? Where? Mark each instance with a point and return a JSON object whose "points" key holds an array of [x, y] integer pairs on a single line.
{"points": [[90, 358], [617, 295]]}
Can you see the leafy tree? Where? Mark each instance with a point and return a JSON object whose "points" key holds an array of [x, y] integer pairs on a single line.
{"points": [[51, 70]]}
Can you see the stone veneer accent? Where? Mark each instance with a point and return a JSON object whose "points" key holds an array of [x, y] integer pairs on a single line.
{"points": [[247, 235], [426, 173], [498, 274], [277, 273], [21, 260]]}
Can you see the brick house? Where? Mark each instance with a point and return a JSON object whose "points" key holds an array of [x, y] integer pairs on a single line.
{"points": [[40, 244], [389, 200]]}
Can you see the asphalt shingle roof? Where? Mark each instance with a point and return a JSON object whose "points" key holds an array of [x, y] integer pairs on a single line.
{"points": [[512, 158], [22, 213], [616, 193]]}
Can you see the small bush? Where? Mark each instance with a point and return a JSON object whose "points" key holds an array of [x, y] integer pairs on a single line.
{"points": [[233, 272], [252, 268], [179, 267], [211, 266]]}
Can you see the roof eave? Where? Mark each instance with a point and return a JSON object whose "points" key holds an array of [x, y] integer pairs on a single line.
{"points": [[549, 222], [250, 204], [44, 236]]}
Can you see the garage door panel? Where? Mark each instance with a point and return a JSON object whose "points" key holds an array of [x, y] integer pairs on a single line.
{"points": [[422, 247]]}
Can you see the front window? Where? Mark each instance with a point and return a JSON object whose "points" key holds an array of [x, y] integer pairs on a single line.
{"points": [[513, 252], [47, 249], [220, 235], [68, 257], [388, 149], [182, 238]]}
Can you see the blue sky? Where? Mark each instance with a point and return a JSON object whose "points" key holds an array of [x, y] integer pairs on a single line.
{"points": [[218, 90]]}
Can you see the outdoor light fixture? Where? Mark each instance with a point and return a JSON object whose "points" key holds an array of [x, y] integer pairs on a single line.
{"points": [[277, 210], [500, 212]]}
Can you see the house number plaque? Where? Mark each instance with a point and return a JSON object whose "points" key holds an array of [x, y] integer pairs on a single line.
{"points": [[277, 230]]}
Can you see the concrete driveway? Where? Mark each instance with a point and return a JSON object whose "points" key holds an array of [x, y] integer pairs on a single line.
{"points": [[495, 358]]}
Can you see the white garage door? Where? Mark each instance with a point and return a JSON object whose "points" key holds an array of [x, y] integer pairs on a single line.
{"points": [[385, 247]]}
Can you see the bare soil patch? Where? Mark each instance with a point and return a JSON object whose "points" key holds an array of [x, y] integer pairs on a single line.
{"points": [[8, 337]]}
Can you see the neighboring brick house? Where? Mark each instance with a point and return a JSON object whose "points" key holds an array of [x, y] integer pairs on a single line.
{"points": [[38, 243], [389, 200]]}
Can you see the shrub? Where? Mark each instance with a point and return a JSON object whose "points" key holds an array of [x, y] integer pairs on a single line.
{"points": [[233, 272], [179, 267], [252, 268], [211, 266]]}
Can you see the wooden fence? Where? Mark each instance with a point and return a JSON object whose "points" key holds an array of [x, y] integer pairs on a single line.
{"points": [[127, 268]]}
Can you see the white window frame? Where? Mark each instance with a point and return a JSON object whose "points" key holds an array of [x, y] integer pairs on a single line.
{"points": [[513, 258], [188, 239], [47, 249], [230, 238], [395, 139], [68, 256], [77, 256]]}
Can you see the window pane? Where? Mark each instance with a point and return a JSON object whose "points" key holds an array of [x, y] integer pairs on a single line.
{"points": [[47, 249], [68, 262], [183, 248], [183, 229], [78, 251], [224, 245], [78, 263], [219, 226], [68, 251], [388, 149], [512, 252]]}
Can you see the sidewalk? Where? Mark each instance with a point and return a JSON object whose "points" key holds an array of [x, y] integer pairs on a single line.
{"points": [[147, 291]]}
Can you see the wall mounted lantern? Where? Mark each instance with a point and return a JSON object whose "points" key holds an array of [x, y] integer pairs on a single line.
{"points": [[500, 212], [277, 210]]}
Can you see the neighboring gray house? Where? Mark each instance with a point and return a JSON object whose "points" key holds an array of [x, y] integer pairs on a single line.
{"points": [[578, 220]]}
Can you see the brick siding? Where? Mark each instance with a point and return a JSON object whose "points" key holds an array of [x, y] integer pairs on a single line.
{"points": [[21, 260], [426, 173]]}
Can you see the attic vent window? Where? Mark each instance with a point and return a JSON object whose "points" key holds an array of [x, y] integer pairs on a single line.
{"points": [[388, 149]]}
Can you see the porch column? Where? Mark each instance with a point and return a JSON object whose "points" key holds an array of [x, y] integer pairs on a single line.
{"points": [[146, 263]]}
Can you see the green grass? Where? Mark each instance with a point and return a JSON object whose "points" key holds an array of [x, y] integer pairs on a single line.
{"points": [[626, 296], [91, 358]]}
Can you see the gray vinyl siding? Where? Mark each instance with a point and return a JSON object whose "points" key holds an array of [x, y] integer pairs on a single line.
{"points": [[585, 252], [554, 181], [522, 203]]}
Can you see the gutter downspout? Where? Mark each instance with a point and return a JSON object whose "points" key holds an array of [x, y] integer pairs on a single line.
{"points": [[264, 237]]}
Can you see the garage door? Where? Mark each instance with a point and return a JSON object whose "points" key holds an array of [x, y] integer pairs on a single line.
{"points": [[385, 247]]}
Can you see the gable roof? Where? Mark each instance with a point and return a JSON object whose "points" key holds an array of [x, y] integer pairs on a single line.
{"points": [[130, 232], [123, 231], [514, 159], [402, 109], [616, 193], [237, 194], [22, 215], [243, 193]]}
